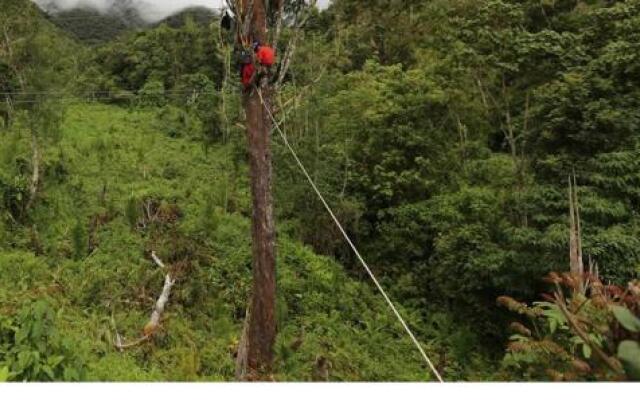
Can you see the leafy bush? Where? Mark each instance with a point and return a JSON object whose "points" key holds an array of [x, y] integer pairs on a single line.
{"points": [[32, 349], [14, 194], [152, 94], [583, 332], [177, 122]]}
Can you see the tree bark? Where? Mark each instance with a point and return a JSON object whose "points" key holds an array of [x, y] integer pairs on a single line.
{"points": [[261, 331]]}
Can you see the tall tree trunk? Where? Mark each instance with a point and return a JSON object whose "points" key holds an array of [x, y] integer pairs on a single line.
{"points": [[261, 332]]}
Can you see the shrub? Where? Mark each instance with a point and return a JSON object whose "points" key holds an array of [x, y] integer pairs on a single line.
{"points": [[152, 94], [584, 331], [31, 349]]}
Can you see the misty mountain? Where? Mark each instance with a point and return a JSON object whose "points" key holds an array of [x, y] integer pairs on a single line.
{"points": [[149, 10], [96, 25], [92, 26], [200, 15]]}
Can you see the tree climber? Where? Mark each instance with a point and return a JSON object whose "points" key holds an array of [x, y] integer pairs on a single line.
{"points": [[247, 69], [264, 55]]}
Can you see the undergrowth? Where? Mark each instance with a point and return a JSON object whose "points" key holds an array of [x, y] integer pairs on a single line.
{"points": [[118, 189]]}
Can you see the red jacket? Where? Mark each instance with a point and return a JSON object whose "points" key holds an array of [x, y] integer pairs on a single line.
{"points": [[247, 74], [266, 55]]}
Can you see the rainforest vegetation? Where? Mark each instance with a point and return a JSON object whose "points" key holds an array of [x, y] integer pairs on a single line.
{"points": [[478, 152]]}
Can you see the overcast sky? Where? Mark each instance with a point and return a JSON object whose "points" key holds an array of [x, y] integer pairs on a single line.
{"points": [[154, 9]]}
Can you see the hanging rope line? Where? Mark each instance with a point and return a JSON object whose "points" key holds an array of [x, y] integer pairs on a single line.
{"points": [[349, 241]]}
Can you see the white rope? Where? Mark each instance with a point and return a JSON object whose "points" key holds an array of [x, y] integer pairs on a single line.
{"points": [[348, 239]]}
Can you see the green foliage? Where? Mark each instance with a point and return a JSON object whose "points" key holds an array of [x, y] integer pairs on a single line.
{"points": [[38, 60], [445, 147], [93, 27], [4, 374], [32, 349], [576, 338], [199, 96], [210, 216], [386, 31], [132, 212], [441, 132], [629, 321], [152, 94], [629, 354], [161, 54], [79, 238], [177, 122], [15, 193], [156, 201]]}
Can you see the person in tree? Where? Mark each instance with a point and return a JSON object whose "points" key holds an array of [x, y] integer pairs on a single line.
{"points": [[247, 69], [265, 55]]}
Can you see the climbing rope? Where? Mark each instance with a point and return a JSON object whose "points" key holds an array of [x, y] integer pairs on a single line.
{"points": [[348, 239]]}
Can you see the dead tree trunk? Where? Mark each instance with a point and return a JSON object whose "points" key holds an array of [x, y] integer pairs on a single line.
{"points": [[261, 332], [575, 233]]}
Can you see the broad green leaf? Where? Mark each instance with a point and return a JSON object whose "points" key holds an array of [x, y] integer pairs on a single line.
{"points": [[21, 334], [576, 340], [53, 361], [629, 354], [70, 374], [4, 374], [519, 338], [47, 370], [629, 321], [586, 351], [36, 329]]}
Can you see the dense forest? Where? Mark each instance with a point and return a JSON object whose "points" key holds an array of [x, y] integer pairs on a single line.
{"points": [[484, 156]]}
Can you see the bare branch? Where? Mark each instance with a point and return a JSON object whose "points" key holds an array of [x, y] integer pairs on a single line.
{"points": [[123, 346], [154, 322], [157, 260], [247, 17], [291, 47], [296, 99], [585, 338], [279, 23]]}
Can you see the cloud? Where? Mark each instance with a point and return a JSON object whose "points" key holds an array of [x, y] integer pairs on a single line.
{"points": [[152, 10]]}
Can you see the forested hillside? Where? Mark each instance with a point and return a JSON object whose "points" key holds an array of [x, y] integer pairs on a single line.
{"points": [[93, 27], [483, 155]]}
